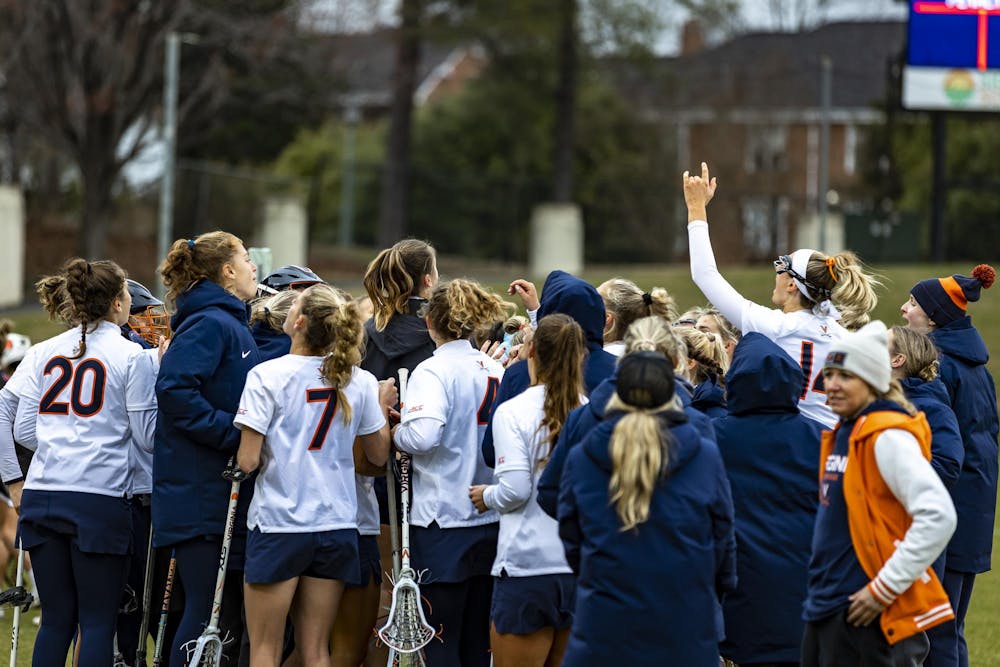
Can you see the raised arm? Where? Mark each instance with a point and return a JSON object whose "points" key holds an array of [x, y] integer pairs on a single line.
{"points": [[698, 191]]}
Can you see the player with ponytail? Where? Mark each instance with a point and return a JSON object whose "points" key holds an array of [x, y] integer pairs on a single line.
{"points": [[646, 519], [707, 364], [444, 420], [624, 303], [818, 297], [86, 401], [306, 419], [534, 588], [937, 307], [209, 278]]}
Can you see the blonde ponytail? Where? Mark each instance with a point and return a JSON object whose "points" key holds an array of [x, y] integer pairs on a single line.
{"points": [[333, 330]]}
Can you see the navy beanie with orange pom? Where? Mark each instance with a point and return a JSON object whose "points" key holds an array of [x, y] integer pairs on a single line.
{"points": [[944, 299]]}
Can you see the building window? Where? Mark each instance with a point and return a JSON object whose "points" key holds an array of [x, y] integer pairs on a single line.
{"points": [[765, 226], [766, 148]]}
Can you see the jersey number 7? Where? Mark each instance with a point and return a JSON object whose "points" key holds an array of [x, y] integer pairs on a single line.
{"points": [[329, 397]]}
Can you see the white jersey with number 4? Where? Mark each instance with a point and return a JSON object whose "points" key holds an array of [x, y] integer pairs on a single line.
{"points": [[84, 414], [306, 480], [803, 334], [447, 406]]}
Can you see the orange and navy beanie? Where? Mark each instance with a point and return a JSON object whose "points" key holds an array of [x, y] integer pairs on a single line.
{"points": [[945, 299]]}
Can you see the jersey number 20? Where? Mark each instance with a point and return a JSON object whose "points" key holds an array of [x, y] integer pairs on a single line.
{"points": [[83, 406]]}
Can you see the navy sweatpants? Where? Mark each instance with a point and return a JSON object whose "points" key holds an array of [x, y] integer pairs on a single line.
{"points": [[461, 613]]}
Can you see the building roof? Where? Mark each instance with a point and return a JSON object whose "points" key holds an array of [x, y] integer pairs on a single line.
{"points": [[768, 72]]}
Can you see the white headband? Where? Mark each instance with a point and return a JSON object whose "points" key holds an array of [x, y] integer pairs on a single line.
{"points": [[800, 264]]}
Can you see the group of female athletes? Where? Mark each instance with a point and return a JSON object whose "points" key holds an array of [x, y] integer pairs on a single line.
{"points": [[612, 483]]}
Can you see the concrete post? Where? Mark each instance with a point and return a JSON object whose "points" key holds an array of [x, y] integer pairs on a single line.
{"points": [[556, 239], [285, 231], [11, 246]]}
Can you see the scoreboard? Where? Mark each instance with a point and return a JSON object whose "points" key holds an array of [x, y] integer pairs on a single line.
{"points": [[953, 55]]}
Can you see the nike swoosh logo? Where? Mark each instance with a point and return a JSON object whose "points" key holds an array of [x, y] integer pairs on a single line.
{"points": [[246, 354]]}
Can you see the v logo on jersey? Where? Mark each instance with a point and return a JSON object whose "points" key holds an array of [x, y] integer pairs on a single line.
{"points": [[246, 354]]}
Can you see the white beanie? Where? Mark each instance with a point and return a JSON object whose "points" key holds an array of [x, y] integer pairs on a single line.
{"points": [[864, 353]]}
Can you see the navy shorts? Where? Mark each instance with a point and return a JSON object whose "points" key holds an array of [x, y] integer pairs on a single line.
{"points": [[522, 605], [274, 557], [370, 562]]}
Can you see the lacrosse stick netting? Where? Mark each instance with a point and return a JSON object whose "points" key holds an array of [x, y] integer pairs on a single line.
{"points": [[406, 630]]}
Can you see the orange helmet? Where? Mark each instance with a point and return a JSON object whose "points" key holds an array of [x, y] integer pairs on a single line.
{"points": [[148, 316]]}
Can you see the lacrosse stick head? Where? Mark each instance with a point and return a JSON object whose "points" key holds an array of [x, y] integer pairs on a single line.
{"points": [[207, 651], [17, 597], [406, 630]]}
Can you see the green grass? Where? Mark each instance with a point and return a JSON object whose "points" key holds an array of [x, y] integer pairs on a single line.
{"points": [[982, 627]]}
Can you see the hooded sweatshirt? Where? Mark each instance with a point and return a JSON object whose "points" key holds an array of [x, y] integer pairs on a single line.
{"points": [[973, 398], [771, 452], [403, 343], [566, 294], [584, 419], [709, 398], [198, 391], [947, 453], [648, 596], [270, 343]]}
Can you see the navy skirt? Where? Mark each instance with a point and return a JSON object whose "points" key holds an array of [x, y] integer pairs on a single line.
{"points": [[97, 524], [274, 557], [522, 605], [453, 555]]}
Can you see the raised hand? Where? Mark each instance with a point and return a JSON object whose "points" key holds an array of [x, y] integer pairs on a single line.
{"points": [[698, 191]]}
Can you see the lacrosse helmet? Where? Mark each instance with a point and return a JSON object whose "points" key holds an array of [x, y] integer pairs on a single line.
{"points": [[14, 349], [291, 277], [148, 316]]}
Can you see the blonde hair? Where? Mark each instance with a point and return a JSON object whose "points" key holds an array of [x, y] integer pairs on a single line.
{"points": [[333, 330], [921, 355], [82, 293], [395, 275], [457, 308], [273, 309], [708, 352], [627, 302], [640, 457], [560, 347], [723, 326], [202, 258], [656, 334], [846, 283]]}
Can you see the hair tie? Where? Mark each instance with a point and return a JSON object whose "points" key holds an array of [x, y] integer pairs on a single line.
{"points": [[267, 311], [830, 262], [191, 243], [647, 298]]}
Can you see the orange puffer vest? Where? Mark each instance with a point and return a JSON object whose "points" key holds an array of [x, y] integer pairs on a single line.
{"points": [[877, 521]]}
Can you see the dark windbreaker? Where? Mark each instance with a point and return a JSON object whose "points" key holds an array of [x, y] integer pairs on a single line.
{"points": [[973, 398], [566, 294], [403, 343], [198, 392], [648, 596], [772, 455], [271, 344]]}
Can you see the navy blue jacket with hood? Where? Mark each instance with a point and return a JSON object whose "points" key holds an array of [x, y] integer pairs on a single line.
{"points": [[973, 398], [582, 420], [946, 440], [649, 596], [198, 392], [709, 398], [771, 453], [271, 344], [566, 294]]}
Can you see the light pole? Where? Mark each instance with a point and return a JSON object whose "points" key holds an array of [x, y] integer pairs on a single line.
{"points": [[351, 117], [171, 72]]}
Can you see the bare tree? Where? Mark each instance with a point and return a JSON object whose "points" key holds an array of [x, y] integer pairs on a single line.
{"points": [[87, 77]]}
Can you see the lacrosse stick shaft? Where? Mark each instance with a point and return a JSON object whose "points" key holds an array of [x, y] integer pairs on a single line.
{"points": [[227, 539], [147, 594], [390, 484], [16, 623], [161, 631], [404, 474]]}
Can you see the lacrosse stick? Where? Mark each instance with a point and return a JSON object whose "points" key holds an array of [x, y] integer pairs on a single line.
{"points": [[208, 647], [21, 599], [406, 631], [147, 593], [161, 631], [118, 660]]}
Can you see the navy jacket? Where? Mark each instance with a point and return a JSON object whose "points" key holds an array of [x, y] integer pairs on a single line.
{"points": [[973, 398], [198, 391], [649, 596], [946, 441], [582, 421], [566, 294], [710, 399], [271, 344], [403, 343], [771, 453]]}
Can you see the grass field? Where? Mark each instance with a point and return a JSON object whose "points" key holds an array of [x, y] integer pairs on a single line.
{"points": [[983, 623]]}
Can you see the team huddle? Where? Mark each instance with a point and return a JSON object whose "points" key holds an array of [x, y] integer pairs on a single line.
{"points": [[279, 473]]}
